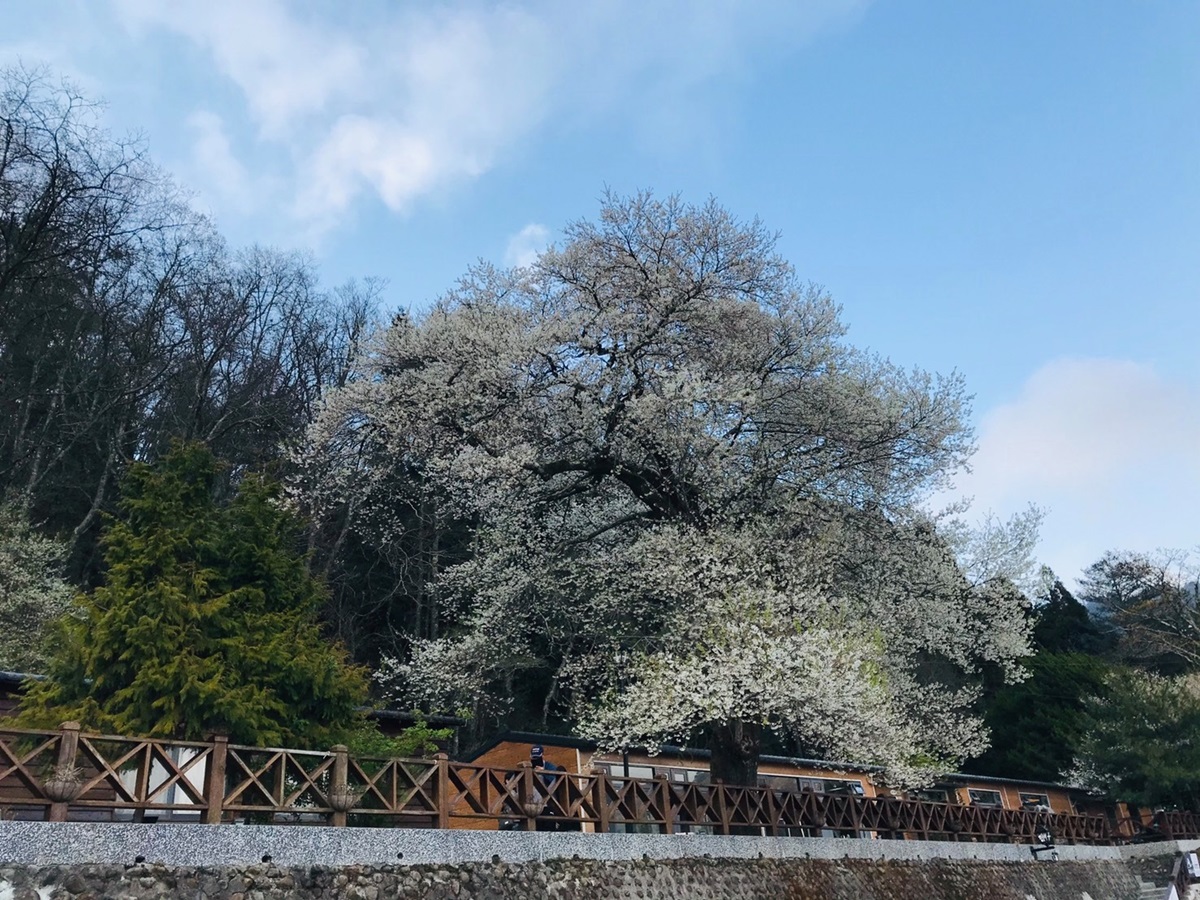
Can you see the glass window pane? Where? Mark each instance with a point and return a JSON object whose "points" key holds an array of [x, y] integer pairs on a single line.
{"points": [[985, 798]]}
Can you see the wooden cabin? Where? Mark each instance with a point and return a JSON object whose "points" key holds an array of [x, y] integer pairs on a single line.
{"points": [[1010, 793], [681, 764], [12, 686]]}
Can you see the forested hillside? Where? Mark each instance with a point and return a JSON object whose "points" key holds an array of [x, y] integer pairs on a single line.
{"points": [[126, 321]]}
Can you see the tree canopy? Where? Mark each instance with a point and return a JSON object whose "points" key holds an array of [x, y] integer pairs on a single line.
{"points": [[690, 502], [1064, 625], [206, 621], [1143, 744], [1038, 725], [1152, 603]]}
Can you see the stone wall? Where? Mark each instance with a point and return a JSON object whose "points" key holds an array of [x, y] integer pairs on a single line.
{"points": [[45, 843], [588, 879], [98, 861]]}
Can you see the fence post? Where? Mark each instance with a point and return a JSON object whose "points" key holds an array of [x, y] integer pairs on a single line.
{"points": [[340, 786], [601, 783], [443, 790], [214, 783], [772, 813], [722, 806], [527, 796], [68, 747], [664, 803], [856, 812]]}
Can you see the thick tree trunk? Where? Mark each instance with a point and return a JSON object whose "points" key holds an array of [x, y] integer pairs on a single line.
{"points": [[735, 746]]}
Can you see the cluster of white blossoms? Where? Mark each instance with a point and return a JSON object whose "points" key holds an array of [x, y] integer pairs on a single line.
{"points": [[804, 633], [689, 499], [33, 592]]}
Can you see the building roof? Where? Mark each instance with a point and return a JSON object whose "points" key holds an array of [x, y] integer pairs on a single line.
{"points": [[406, 715], [962, 778], [696, 753], [14, 680]]}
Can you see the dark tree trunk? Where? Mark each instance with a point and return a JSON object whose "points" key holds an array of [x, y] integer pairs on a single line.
{"points": [[735, 746]]}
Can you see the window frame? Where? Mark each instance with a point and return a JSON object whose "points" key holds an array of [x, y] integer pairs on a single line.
{"points": [[1028, 799], [978, 801]]}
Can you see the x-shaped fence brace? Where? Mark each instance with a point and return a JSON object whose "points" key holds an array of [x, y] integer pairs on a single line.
{"points": [[219, 780]]}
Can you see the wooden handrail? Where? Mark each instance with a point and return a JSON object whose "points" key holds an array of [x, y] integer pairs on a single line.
{"points": [[216, 781]]}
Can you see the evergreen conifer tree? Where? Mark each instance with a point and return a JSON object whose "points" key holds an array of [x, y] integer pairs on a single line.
{"points": [[1037, 724], [206, 621]]}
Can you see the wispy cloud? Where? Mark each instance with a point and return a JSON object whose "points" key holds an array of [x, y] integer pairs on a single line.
{"points": [[398, 101], [288, 66], [525, 246], [214, 168], [1105, 445]]}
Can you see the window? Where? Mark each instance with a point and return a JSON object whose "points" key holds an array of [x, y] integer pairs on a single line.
{"points": [[1035, 802], [686, 776], [985, 798], [932, 796], [829, 786], [841, 786], [681, 775]]}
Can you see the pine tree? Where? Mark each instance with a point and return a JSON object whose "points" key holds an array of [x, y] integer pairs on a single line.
{"points": [[1037, 724], [206, 621]]}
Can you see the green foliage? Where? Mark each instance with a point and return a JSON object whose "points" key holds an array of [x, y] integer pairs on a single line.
{"points": [[206, 621], [416, 741], [1063, 625], [32, 591], [1144, 742], [1037, 724]]}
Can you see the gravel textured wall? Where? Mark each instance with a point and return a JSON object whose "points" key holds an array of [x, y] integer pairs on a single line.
{"points": [[84, 843], [589, 879]]}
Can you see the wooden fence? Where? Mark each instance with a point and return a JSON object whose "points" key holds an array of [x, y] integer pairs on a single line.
{"points": [[68, 774]]}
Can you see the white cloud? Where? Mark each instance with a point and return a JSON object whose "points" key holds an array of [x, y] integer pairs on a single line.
{"points": [[397, 162], [214, 168], [400, 100], [1108, 446], [287, 67], [525, 246]]}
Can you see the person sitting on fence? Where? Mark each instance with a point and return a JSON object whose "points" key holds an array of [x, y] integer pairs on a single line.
{"points": [[537, 758]]}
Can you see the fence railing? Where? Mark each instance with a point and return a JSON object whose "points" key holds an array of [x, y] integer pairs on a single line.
{"points": [[68, 774]]}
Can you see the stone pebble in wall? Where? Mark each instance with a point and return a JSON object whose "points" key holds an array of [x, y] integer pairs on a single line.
{"points": [[583, 879]]}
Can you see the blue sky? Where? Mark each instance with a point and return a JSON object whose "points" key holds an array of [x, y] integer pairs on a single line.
{"points": [[1007, 189]]}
